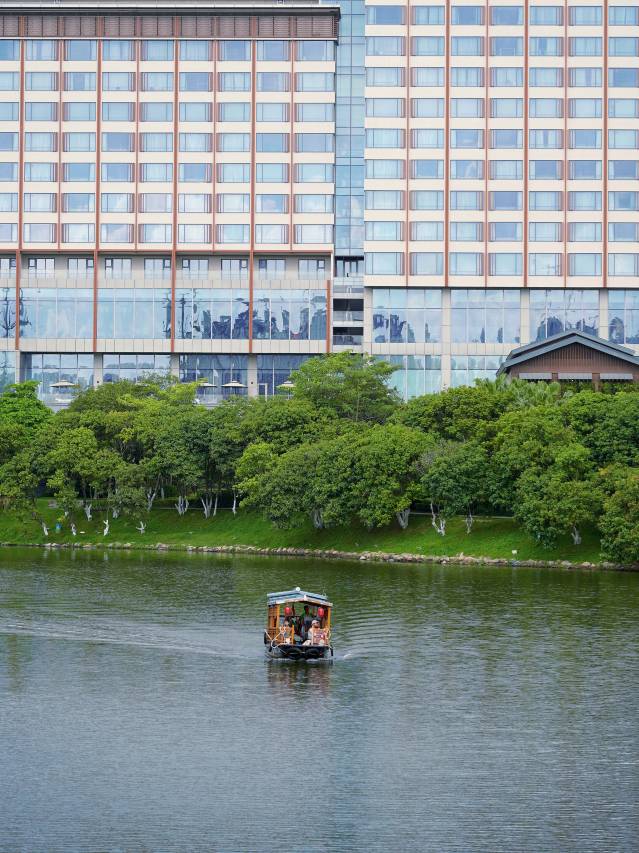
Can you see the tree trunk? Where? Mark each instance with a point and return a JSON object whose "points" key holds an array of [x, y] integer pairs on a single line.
{"points": [[438, 522], [106, 527], [318, 521], [45, 529], [207, 504], [402, 518], [234, 507], [215, 505], [74, 530], [115, 512], [87, 511], [182, 505], [469, 521], [150, 497], [576, 535]]}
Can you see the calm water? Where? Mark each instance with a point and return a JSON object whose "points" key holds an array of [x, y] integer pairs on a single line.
{"points": [[467, 709]]}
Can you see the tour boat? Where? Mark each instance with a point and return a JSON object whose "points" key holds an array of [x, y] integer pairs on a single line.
{"points": [[298, 625]]}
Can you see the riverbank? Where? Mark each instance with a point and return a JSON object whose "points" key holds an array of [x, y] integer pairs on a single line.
{"points": [[492, 540]]}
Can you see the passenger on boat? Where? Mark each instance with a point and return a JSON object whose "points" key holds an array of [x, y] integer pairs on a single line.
{"points": [[287, 633], [316, 635], [307, 621]]}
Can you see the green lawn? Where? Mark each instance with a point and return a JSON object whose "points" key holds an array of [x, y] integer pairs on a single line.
{"points": [[491, 537]]}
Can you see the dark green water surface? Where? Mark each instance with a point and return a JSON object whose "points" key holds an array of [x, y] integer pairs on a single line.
{"points": [[468, 709]]}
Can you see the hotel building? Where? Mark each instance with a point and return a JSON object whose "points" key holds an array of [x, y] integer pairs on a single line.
{"points": [[221, 190]]}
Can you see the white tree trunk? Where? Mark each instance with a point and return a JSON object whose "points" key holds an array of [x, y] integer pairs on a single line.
{"points": [[207, 504], [318, 521], [74, 530], [469, 521], [438, 522], [402, 518], [215, 505], [234, 507], [150, 497], [182, 505], [141, 527], [115, 512], [87, 511], [576, 535], [45, 529], [106, 527]]}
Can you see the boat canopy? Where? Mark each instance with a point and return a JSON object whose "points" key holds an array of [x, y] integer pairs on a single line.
{"points": [[295, 595]]}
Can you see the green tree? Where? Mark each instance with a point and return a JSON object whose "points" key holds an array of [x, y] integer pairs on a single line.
{"points": [[453, 481], [619, 523], [608, 424], [351, 385], [20, 406], [561, 498]]}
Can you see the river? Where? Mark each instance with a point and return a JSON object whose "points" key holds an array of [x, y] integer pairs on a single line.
{"points": [[467, 709]]}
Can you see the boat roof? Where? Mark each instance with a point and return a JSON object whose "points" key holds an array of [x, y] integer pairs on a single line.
{"points": [[296, 594]]}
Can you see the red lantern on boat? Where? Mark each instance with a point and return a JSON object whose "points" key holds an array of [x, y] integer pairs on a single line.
{"points": [[320, 612], [287, 611]]}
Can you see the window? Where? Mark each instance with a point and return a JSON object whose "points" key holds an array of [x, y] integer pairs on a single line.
{"points": [[485, 316], [584, 138], [467, 77], [623, 107], [233, 142], [112, 110], [34, 172], [544, 264], [157, 81], [78, 232], [78, 172], [623, 200], [8, 232], [274, 234], [584, 232], [117, 203], [623, 314], [466, 263], [466, 200], [79, 81], [49, 313], [546, 138], [545, 170], [623, 16], [34, 111], [80, 267], [388, 46], [117, 50], [9, 202], [506, 107], [195, 81], [230, 173], [419, 168], [36, 81], [544, 46], [315, 51], [233, 203], [156, 111], [429, 15], [194, 203], [580, 170], [394, 107], [544, 232], [505, 200], [585, 107], [584, 200], [8, 141], [290, 314], [621, 170], [506, 170], [465, 15], [272, 51], [384, 200], [116, 232], [384, 76], [314, 173], [304, 142], [586, 78], [198, 142], [427, 231], [546, 107], [584, 264], [9, 110], [117, 267], [234, 51], [547, 77], [506, 138], [303, 112], [156, 172], [504, 263], [278, 203], [79, 202], [125, 141], [195, 50], [38, 232], [426, 200], [80, 50], [507, 46], [466, 231], [383, 231], [466, 138], [9, 81], [314, 81], [464, 169], [585, 16], [506, 77], [585, 46], [464, 107], [545, 200], [149, 142], [384, 263], [276, 112], [195, 172], [622, 139], [234, 81], [157, 51], [383, 137], [41, 50], [426, 263], [467, 46], [118, 81], [152, 232], [623, 47], [390, 15], [134, 313], [44, 141]]}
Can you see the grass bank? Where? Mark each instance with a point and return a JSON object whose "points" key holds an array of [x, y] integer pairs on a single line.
{"points": [[494, 538]]}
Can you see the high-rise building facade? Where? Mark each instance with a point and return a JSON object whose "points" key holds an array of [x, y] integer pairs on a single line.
{"points": [[223, 190]]}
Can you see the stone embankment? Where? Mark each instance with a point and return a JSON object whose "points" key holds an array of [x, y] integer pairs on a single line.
{"points": [[331, 554]]}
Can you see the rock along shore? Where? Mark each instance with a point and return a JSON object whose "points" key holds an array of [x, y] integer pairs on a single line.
{"points": [[360, 556]]}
